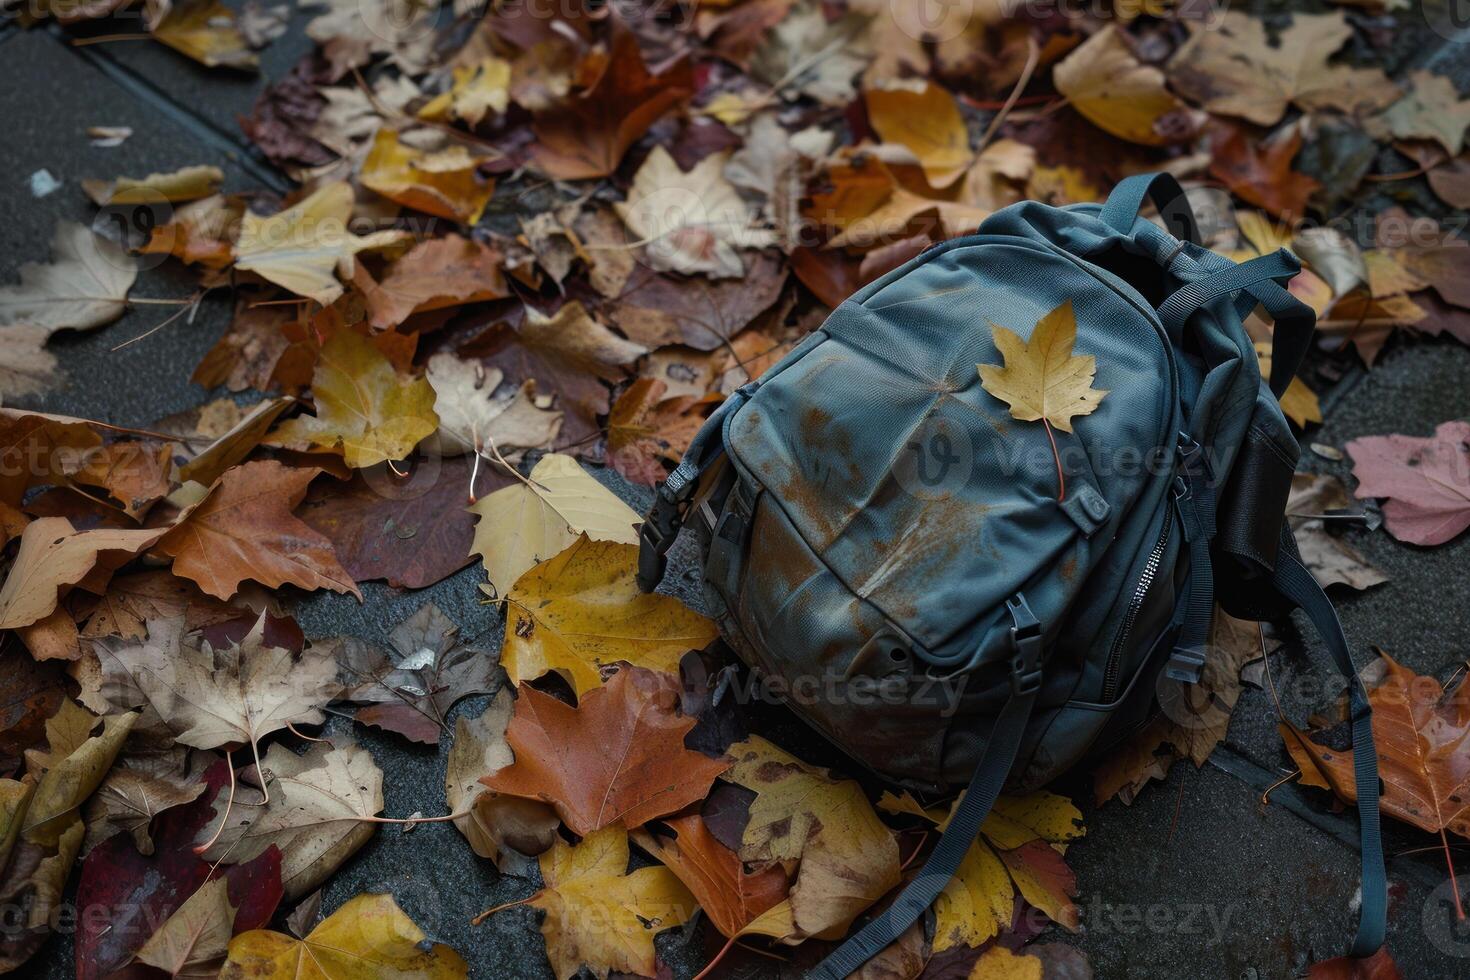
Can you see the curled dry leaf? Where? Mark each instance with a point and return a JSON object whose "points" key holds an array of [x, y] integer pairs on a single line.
{"points": [[1331, 560], [434, 274], [368, 938], [315, 817], [492, 823], [616, 758], [474, 414], [185, 184], [645, 429], [54, 557], [443, 182], [582, 611], [192, 940], [730, 895], [207, 31], [600, 916], [243, 529], [364, 409], [536, 519], [845, 858]]}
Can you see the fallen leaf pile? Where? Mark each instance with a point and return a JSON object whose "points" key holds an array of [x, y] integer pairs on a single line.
{"points": [[524, 257]]}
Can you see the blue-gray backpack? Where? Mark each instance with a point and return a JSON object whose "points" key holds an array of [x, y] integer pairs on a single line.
{"points": [[959, 601]]}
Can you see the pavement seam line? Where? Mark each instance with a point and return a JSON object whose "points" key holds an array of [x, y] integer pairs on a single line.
{"points": [[145, 90]]}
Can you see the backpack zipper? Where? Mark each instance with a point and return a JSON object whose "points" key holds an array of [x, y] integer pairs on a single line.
{"points": [[1135, 602]]}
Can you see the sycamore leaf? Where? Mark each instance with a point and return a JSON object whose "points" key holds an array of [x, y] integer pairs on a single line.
{"points": [[244, 529], [600, 916], [368, 938], [1433, 109], [690, 222], [53, 556], [443, 182], [315, 815], [730, 895], [235, 695], [1426, 481], [1107, 83], [194, 938], [185, 184], [1259, 170], [301, 247], [85, 286], [492, 823], [618, 757], [535, 520], [845, 858], [805, 54], [1042, 378], [435, 274], [587, 136], [925, 119], [37, 449], [206, 30], [1232, 68], [1421, 732], [582, 610], [474, 415], [363, 408]]}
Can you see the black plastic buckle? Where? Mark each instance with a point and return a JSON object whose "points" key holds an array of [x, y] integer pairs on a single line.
{"points": [[659, 529], [1026, 641]]}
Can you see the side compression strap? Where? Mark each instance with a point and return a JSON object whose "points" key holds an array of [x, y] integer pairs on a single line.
{"points": [[990, 776], [1295, 582]]}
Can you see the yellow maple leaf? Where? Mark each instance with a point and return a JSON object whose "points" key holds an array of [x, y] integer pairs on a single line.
{"points": [[598, 915], [927, 121], [364, 410], [443, 182], [999, 963], [368, 938], [583, 609], [1107, 83], [1042, 379]]}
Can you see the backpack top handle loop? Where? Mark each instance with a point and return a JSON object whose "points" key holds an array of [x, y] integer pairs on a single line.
{"points": [[1126, 200]]}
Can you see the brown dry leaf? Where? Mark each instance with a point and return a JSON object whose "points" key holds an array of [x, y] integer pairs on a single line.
{"points": [[1107, 83], [233, 446], [493, 824], [85, 285], [924, 118], [134, 792], [1231, 68], [192, 941], [132, 601], [368, 938], [1042, 379], [731, 896], [600, 916], [26, 367], [206, 30], [690, 222], [569, 353], [1379, 966], [845, 859], [1421, 732], [1259, 170], [442, 182], [1331, 560], [645, 429], [582, 611], [438, 273], [301, 248], [54, 556], [655, 310], [38, 449], [201, 232], [185, 184], [243, 529], [1433, 109], [136, 474], [1193, 719], [364, 409], [616, 758], [588, 136], [315, 814]]}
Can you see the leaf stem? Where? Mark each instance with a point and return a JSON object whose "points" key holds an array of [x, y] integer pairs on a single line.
{"points": [[224, 817], [729, 945], [1056, 454], [477, 920]]}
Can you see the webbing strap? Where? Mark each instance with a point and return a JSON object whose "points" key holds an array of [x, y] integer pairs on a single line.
{"points": [[1195, 499], [1124, 203], [1295, 582], [964, 825]]}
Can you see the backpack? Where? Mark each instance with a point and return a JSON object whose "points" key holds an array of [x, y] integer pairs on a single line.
{"points": [[954, 600]]}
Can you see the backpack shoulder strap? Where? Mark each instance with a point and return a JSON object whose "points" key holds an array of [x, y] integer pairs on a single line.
{"points": [[990, 776], [1295, 582]]}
